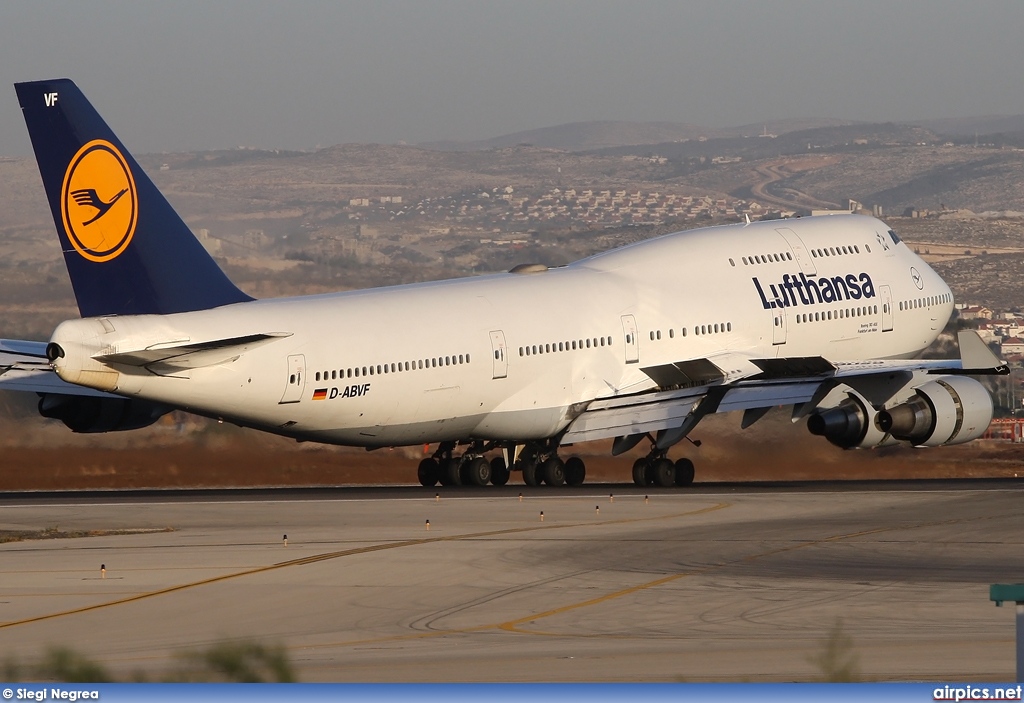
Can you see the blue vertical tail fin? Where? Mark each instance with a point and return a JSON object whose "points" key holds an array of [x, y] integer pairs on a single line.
{"points": [[126, 249]]}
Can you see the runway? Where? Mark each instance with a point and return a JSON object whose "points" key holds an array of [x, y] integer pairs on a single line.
{"points": [[722, 582]]}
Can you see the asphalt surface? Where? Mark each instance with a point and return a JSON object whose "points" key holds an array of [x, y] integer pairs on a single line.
{"points": [[737, 582]]}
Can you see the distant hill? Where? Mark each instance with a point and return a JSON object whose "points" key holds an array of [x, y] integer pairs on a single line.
{"points": [[780, 127], [968, 126], [592, 136], [583, 136], [796, 142]]}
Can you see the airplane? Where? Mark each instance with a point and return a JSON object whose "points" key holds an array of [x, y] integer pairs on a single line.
{"points": [[826, 314]]}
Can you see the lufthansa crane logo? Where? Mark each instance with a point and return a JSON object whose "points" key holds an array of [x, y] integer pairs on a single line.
{"points": [[99, 203]]}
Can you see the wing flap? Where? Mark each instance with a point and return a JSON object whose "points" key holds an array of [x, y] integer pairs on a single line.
{"points": [[637, 414]]}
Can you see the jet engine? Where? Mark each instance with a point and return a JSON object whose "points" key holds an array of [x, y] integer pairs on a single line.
{"points": [[945, 410], [849, 424], [87, 414]]}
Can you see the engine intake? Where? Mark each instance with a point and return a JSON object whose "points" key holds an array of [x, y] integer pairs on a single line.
{"points": [[945, 410], [90, 414]]}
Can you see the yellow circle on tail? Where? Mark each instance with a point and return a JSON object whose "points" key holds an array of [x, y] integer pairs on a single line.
{"points": [[99, 203]]}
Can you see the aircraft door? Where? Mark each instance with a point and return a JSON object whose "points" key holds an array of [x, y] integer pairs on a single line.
{"points": [[631, 338], [779, 325], [296, 381], [803, 257], [500, 354], [887, 315]]}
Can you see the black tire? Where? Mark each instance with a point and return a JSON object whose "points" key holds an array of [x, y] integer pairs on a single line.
{"points": [[553, 471], [530, 477], [684, 472], [640, 472], [499, 472], [428, 472], [663, 473], [451, 474], [575, 471], [477, 472]]}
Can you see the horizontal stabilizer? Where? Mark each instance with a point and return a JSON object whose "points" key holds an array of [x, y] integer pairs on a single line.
{"points": [[191, 355], [24, 367]]}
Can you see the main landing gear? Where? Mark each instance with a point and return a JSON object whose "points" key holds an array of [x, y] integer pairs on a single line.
{"points": [[542, 465], [656, 469], [539, 464]]}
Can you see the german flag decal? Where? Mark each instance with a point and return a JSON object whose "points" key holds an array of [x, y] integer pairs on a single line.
{"points": [[320, 394]]}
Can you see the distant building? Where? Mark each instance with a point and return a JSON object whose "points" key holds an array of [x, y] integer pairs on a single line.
{"points": [[1012, 346], [975, 312]]}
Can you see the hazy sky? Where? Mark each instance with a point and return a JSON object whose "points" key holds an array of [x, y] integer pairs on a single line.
{"points": [[189, 74]]}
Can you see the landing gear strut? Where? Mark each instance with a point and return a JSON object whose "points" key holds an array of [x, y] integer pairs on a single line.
{"points": [[656, 469], [540, 463]]}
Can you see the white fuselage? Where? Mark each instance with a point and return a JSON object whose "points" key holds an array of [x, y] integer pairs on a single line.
{"points": [[517, 356]]}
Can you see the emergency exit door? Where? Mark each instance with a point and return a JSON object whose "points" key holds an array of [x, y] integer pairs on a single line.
{"points": [[296, 381]]}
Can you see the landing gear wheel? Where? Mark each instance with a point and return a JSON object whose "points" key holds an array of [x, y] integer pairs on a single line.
{"points": [[428, 472], [477, 472], [663, 473], [575, 471], [640, 472], [530, 477], [450, 472], [553, 470], [499, 472], [684, 472]]}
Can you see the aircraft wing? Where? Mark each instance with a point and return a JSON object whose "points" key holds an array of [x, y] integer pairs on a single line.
{"points": [[24, 367], [689, 390]]}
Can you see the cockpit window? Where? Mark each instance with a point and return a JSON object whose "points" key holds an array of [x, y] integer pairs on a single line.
{"points": [[895, 237]]}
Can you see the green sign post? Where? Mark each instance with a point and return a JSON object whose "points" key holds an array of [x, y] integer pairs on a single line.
{"points": [[1000, 592]]}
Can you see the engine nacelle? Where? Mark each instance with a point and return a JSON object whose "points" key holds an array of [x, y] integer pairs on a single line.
{"points": [[849, 424], [945, 410], [86, 414]]}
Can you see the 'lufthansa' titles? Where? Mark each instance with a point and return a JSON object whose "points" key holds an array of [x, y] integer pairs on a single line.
{"points": [[796, 290]]}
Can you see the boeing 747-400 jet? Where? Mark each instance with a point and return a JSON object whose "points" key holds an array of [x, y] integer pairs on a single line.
{"points": [[824, 314]]}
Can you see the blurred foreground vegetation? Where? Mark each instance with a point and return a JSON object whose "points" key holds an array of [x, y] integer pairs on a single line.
{"points": [[226, 662]]}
